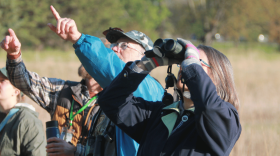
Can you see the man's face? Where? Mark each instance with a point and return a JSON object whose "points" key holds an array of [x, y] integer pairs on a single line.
{"points": [[92, 85], [128, 50]]}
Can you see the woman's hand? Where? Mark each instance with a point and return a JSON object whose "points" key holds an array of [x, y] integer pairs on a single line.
{"points": [[191, 54], [149, 64]]}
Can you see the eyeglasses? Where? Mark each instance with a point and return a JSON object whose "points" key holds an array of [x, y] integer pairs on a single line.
{"points": [[204, 63], [123, 46]]}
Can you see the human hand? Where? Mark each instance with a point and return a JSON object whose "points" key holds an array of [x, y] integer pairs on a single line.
{"points": [[11, 43], [59, 147], [191, 54], [151, 63], [191, 50], [65, 28]]}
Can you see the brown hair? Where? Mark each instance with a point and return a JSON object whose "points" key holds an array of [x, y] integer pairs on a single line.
{"points": [[221, 75], [83, 73]]}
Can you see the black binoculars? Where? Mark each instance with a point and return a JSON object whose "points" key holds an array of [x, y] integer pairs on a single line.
{"points": [[167, 47]]}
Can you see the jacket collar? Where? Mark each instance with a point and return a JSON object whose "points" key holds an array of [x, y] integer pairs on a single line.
{"points": [[176, 107], [173, 107], [79, 89], [169, 120]]}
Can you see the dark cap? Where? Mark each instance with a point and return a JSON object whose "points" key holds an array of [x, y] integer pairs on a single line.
{"points": [[113, 34], [53, 123]]}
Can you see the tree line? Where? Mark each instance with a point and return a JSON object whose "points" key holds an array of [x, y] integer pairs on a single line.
{"points": [[190, 19]]}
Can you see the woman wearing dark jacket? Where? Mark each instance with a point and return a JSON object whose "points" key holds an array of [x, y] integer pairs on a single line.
{"points": [[204, 122]]}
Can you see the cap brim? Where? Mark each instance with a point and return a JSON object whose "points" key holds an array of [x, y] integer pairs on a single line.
{"points": [[4, 71], [114, 35]]}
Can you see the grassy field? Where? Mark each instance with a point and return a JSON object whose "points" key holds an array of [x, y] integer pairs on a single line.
{"points": [[257, 78]]}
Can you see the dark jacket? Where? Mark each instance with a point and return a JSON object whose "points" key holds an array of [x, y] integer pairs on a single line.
{"points": [[102, 136], [212, 129], [23, 134]]}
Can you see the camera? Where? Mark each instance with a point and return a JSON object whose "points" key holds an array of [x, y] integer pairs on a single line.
{"points": [[167, 47]]}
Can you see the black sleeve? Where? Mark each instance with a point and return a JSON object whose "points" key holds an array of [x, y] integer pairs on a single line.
{"points": [[217, 121], [129, 113]]}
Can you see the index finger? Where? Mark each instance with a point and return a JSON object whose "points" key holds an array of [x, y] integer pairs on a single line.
{"points": [[55, 13], [12, 33]]}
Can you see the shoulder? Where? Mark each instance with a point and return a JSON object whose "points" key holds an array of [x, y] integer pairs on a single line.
{"points": [[72, 83], [150, 86], [28, 118]]}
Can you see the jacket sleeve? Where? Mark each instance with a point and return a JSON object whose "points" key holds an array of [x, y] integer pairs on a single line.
{"points": [[104, 65], [32, 136], [129, 113], [42, 90], [100, 62], [217, 121]]}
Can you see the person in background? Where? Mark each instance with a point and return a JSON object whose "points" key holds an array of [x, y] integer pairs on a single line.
{"points": [[104, 64], [71, 103], [21, 132], [203, 122]]}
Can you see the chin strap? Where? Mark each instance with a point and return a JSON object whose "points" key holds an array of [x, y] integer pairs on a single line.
{"points": [[171, 81]]}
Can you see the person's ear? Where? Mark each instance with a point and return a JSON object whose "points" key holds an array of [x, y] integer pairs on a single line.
{"points": [[17, 92]]}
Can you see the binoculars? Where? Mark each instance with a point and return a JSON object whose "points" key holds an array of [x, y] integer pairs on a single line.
{"points": [[167, 47]]}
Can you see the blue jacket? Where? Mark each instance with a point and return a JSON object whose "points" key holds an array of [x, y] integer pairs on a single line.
{"points": [[211, 129], [104, 65]]}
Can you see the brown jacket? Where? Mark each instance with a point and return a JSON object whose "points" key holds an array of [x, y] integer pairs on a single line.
{"points": [[81, 123]]}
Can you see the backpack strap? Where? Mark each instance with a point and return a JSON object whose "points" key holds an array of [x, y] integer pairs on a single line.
{"points": [[10, 114]]}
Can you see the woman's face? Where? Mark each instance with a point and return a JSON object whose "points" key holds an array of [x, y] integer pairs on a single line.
{"points": [[7, 90], [206, 69]]}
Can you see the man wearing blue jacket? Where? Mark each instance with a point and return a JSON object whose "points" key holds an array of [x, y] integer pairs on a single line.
{"points": [[104, 64]]}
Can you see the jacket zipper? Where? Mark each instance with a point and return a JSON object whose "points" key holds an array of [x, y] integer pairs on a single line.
{"points": [[184, 119]]}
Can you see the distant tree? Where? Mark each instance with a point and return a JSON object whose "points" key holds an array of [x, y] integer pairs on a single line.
{"points": [[202, 18], [270, 19], [9, 16], [29, 18], [145, 15]]}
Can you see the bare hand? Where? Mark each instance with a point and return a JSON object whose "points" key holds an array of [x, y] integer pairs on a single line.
{"points": [[66, 28], [59, 147], [11, 43]]}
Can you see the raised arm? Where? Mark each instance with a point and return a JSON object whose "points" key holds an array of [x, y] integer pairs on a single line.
{"points": [[100, 62], [131, 114], [217, 121], [42, 90]]}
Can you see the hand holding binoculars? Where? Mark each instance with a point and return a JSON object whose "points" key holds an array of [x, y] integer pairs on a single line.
{"points": [[169, 48]]}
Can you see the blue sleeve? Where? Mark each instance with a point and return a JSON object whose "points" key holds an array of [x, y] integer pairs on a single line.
{"points": [[104, 65], [100, 62], [217, 121]]}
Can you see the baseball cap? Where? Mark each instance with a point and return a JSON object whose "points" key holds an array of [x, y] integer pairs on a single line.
{"points": [[113, 34]]}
